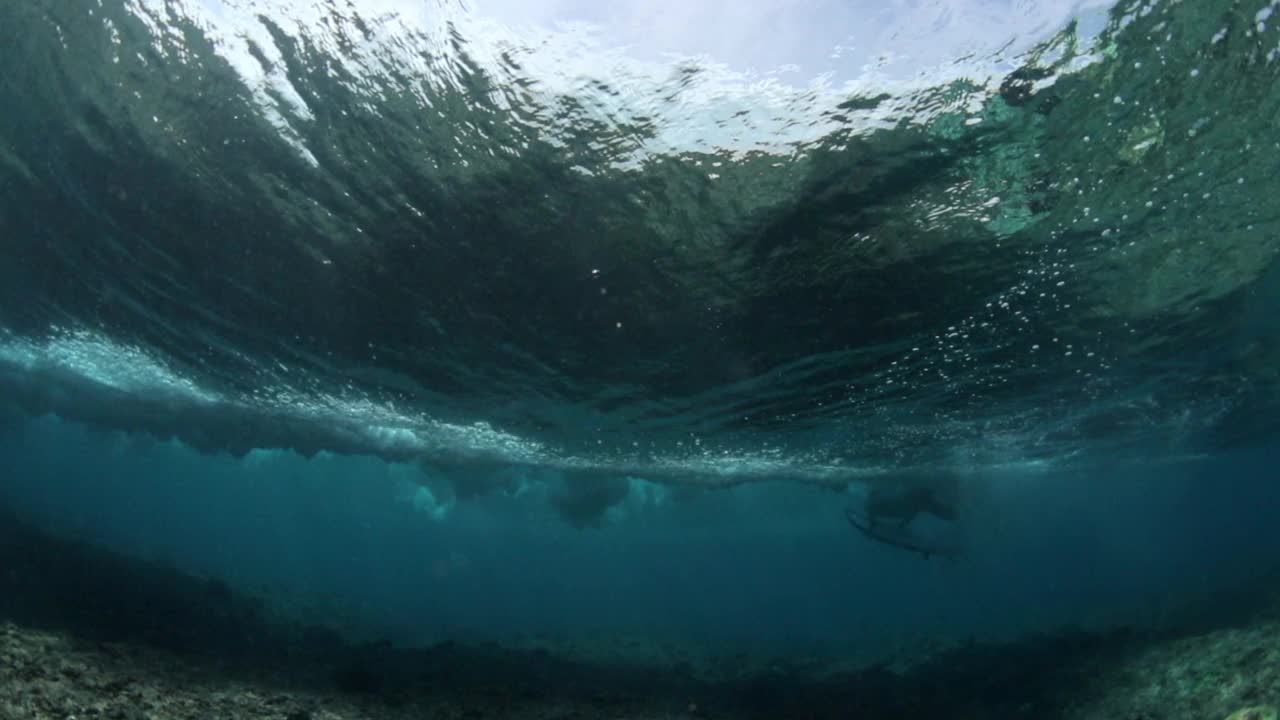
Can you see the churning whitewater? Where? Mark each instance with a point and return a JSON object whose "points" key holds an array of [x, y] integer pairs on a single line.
{"points": [[416, 233]]}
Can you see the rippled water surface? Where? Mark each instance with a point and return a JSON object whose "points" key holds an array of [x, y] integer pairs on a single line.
{"points": [[818, 243]]}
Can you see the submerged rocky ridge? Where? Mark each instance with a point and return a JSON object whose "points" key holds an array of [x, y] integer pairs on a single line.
{"points": [[86, 633]]}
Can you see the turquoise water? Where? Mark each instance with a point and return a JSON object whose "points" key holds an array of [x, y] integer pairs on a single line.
{"points": [[472, 323]]}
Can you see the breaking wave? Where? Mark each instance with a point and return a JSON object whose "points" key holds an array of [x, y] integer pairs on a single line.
{"points": [[418, 233]]}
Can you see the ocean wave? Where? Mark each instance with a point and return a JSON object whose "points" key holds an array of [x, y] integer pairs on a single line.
{"points": [[420, 234]]}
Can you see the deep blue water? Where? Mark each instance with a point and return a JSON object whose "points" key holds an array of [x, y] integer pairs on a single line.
{"points": [[438, 323], [770, 569]]}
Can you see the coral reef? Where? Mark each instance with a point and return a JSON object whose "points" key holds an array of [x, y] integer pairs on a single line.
{"points": [[87, 634]]}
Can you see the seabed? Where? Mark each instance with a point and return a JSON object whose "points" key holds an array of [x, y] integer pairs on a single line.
{"points": [[88, 634]]}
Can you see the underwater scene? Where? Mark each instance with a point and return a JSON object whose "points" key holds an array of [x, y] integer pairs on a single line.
{"points": [[640, 360]]}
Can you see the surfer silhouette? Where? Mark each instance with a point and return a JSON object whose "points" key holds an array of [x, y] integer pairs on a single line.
{"points": [[892, 513]]}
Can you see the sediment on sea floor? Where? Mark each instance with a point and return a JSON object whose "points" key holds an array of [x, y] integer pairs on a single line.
{"points": [[90, 634]]}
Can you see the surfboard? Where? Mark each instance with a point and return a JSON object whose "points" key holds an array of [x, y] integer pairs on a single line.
{"points": [[901, 536]]}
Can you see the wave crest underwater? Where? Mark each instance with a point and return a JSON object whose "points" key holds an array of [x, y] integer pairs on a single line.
{"points": [[581, 332], [413, 232]]}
